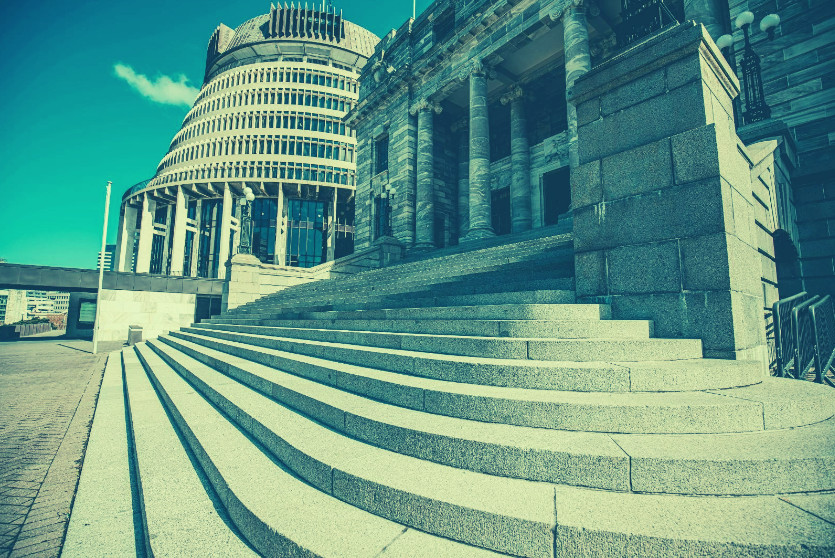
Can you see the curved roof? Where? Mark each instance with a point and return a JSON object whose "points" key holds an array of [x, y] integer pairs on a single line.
{"points": [[257, 30]]}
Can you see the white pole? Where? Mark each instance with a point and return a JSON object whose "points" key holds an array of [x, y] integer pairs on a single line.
{"points": [[413, 8], [101, 270]]}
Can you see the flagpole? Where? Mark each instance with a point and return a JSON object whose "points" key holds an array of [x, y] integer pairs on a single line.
{"points": [[413, 8], [101, 272]]}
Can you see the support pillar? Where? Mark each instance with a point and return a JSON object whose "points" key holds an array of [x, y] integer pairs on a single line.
{"points": [[481, 217], [178, 242], [520, 163], [280, 250], [425, 184], [127, 237], [225, 231], [577, 63], [332, 229], [463, 182], [708, 13], [146, 235], [664, 216]]}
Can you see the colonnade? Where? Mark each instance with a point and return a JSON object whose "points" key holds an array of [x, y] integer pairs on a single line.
{"points": [[474, 196]]}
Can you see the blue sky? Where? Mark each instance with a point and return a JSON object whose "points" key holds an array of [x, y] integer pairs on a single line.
{"points": [[72, 120]]}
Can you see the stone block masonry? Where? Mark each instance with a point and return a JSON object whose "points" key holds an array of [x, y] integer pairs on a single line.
{"points": [[663, 212]]}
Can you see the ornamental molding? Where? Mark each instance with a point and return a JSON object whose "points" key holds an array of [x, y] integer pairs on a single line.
{"points": [[425, 104], [561, 10], [512, 95]]}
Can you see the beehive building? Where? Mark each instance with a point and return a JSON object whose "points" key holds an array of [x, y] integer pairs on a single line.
{"points": [[268, 117]]}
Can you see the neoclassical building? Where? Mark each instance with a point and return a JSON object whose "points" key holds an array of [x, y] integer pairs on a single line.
{"points": [[269, 116], [464, 130]]}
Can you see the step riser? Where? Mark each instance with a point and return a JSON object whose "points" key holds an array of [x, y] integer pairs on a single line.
{"points": [[746, 416], [408, 301], [475, 328], [578, 350], [502, 533], [608, 469], [573, 458]]}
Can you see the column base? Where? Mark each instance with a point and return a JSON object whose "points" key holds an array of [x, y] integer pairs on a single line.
{"points": [[478, 234], [423, 247]]}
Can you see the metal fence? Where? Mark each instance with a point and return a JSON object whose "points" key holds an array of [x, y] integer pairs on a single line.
{"points": [[802, 330]]}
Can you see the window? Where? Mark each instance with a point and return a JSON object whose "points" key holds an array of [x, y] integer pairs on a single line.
{"points": [[545, 106], [381, 154], [499, 116], [444, 25], [382, 216]]}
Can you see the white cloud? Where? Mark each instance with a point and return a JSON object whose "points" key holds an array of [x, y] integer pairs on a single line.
{"points": [[162, 89]]}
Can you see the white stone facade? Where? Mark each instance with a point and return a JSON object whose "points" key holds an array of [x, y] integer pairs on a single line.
{"points": [[268, 117]]}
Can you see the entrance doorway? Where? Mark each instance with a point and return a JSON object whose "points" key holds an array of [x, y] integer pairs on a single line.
{"points": [[500, 209], [556, 194]]}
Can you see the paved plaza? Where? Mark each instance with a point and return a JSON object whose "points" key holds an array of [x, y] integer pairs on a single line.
{"points": [[48, 391]]}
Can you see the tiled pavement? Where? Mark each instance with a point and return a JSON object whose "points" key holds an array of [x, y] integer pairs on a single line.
{"points": [[48, 391]]}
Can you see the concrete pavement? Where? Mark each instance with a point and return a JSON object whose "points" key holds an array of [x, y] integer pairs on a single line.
{"points": [[48, 391]]}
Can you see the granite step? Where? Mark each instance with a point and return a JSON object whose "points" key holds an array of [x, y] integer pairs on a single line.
{"points": [[179, 508], [578, 350], [726, 464], [103, 520], [392, 302], [748, 408], [502, 514], [562, 329], [597, 376], [422, 289]]}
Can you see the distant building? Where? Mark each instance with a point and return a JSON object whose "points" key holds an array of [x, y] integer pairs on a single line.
{"points": [[4, 298], [109, 253], [268, 117]]}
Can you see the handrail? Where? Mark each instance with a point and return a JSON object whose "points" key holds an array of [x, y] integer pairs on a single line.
{"points": [[822, 314]]}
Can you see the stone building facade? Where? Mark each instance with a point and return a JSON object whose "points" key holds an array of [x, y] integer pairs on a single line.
{"points": [[464, 129], [268, 117]]}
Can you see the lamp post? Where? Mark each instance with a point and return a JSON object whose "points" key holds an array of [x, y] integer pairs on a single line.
{"points": [[101, 271], [756, 109], [245, 246]]}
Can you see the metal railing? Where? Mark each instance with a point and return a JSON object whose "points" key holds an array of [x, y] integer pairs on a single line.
{"points": [[803, 329], [823, 324]]}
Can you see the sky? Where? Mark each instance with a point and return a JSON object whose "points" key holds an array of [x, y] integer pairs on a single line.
{"points": [[94, 90]]}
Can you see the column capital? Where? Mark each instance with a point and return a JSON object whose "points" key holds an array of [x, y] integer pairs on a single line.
{"points": [[425, 104], [477, 67], [512, 95], [559, 12]]}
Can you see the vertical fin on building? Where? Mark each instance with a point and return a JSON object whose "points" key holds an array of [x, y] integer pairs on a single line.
{"points": [[218, 43]]}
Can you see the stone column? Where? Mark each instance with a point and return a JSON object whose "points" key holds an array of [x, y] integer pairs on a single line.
{"points": [[481, 218], [225, 231], [664, 217], [425, 181], [463, 181], [127, 236], [146, 235], [520, 162], [178, 242], [280, 230], [706, 12], [332, 229], [577, 63]]}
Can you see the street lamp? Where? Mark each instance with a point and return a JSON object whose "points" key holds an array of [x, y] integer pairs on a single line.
{"points": [[756, 109], [245, 246]]}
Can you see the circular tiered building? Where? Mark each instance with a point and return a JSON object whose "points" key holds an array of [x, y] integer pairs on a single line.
{"points": [[269, 116]]}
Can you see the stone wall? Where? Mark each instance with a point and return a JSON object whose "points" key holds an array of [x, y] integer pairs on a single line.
{"points": [[798, 69], [249, 279], [664, 218]]}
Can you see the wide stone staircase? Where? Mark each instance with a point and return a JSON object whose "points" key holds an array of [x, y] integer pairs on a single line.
{"points": [[456, 404]]}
